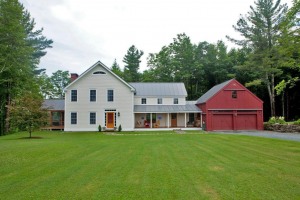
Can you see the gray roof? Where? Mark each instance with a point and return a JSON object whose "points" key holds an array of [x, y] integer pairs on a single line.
{"points": [[189, 108], [214, 90], [159, 89], [54, 104]]}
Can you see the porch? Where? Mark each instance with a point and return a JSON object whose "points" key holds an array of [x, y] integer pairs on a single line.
{"points": [[168, 121], [56, 120]]}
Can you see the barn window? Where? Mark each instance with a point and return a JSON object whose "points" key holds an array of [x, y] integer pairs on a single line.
{"points": [[234, 94], [99, 72]]}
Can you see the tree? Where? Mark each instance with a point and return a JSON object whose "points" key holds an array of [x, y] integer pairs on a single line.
{"points": [[45, 85], [115, 68], [59, 79], [20, 51], [161, 66], [289, 54], [27, 113], [132, 64], [260, 30]]}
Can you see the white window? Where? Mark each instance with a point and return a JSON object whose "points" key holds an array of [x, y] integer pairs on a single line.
{"points": [[110, 95], [159, 101], [175, 101], [99, 72], [74, 95], [73, 118], [92, 118], [92, 95]]}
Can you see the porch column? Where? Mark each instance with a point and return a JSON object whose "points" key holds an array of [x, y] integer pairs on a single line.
{"points": [[184, 120], [168, 122], [201, 120], [151, 120]]}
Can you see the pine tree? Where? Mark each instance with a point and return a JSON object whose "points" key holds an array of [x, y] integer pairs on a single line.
{"points": [[260, 30], [20, 51], [115, 68], [132, 64]]}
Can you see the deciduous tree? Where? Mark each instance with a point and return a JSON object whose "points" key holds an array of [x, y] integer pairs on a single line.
{"points": [[27, 113]]}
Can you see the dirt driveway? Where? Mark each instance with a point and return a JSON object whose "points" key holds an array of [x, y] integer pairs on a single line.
{"points": [[267, 134]]}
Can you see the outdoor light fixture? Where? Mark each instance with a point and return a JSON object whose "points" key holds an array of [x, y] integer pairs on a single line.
{"points": [[118, 114]]}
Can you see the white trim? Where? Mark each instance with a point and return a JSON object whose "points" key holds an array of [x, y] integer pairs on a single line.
{"points": [[90, 95], [107, 95], [76, 95], [71, 118], [106, 68]]}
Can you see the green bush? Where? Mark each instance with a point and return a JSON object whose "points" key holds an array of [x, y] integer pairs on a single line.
{"points": [[99, 128], [120, 128], [297, 122], [277, 120]]}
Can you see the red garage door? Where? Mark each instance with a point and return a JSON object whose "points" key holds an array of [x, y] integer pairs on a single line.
{"points": [[246, 122], [222, 122]]}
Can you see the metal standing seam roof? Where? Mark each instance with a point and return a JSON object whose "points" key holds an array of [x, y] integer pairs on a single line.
{"points": [[54, 104], [159, 89], [188, 108], [212, 92]]}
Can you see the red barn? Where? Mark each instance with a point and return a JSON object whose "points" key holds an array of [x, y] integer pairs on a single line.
{"points": [[231, 106]]}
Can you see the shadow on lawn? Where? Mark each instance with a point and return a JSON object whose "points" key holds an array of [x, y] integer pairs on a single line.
{"points": [[32, 137]]}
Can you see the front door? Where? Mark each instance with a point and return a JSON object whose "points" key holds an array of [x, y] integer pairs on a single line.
{"points": [[174, 120], [110, 120]]}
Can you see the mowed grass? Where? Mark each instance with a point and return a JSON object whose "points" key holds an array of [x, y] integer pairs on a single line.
{"points": [[159, 166]]}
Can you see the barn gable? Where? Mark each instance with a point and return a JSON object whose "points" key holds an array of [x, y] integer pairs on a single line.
{"points": [[231, 106]]}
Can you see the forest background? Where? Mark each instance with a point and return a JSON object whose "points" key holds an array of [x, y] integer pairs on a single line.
{"points": [[266, 61]]}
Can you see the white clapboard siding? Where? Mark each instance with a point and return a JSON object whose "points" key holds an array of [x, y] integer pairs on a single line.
{"points": [[123, 100], [165, 100]]}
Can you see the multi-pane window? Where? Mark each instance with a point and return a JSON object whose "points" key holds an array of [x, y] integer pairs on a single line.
{"points": [[144, 101], [110, 95], [73, 95], [92, 95], [159, 101], [73, 118], [92, 118], [175, 101], [234, 94]]}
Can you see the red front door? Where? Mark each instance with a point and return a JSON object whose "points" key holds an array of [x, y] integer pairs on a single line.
{"points": [[110, 117]]}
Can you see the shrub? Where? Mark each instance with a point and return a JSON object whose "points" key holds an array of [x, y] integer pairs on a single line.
{"points": [[120, 128], [297, 122], [276, 120], [99, 128]]}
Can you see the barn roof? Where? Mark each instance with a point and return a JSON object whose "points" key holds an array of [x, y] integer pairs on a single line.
{"points": [[159, 89], [54, 104], [210, 93]]}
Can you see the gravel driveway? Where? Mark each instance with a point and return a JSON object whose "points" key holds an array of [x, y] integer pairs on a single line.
{"points": [[267, 134]]}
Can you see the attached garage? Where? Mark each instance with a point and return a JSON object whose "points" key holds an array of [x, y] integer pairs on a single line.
{"points": [[246, 122], [222, 122], [231, 106]]}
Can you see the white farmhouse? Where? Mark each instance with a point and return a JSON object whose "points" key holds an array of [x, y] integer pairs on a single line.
{"points": [[100, 97]]}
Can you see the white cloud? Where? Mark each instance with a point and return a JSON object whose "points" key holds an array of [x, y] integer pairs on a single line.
{"points": [[91, 30]]}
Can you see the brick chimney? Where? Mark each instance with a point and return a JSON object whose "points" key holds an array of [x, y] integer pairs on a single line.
{"points": [[74, 76]]}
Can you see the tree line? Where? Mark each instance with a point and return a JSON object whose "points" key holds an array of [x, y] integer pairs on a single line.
{"points": [[266, 61]]}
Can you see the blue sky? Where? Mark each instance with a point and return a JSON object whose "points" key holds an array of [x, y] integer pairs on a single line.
{"points": [[85, 31]]}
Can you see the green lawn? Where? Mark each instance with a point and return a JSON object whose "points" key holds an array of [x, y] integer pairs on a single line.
{"points": [[159, 166]]}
